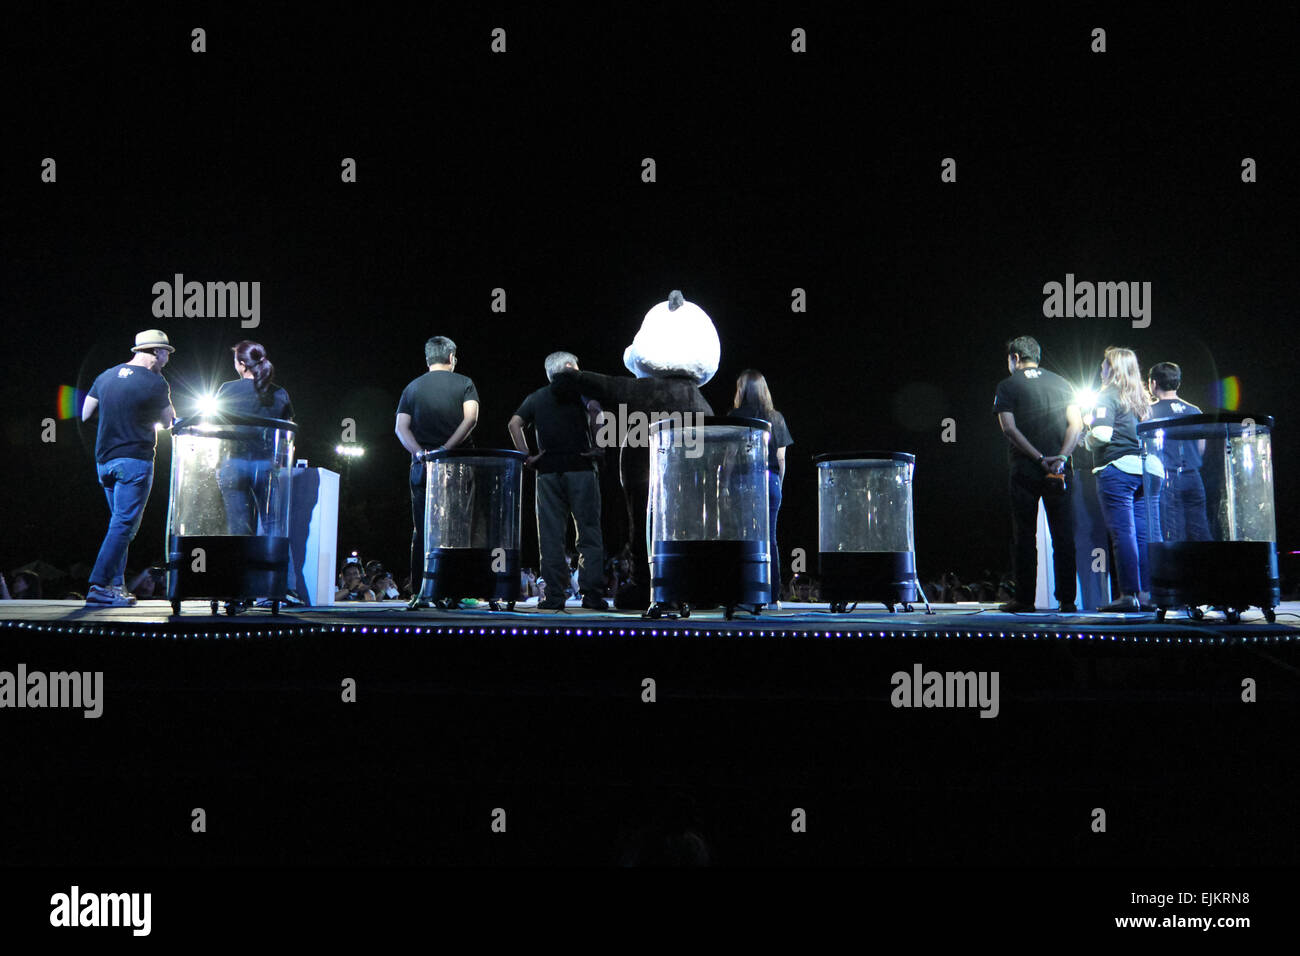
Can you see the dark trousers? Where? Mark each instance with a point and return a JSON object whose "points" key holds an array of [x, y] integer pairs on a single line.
{"points": [[417, 527], [1027, 486], [565, 496], [1182, 507], [634, 472]]}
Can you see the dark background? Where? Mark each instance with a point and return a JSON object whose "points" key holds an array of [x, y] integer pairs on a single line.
{"points": [[522, 170]]}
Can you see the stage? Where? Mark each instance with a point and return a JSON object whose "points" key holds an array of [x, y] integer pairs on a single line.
{"points": [[366, 733], [964, 621]]}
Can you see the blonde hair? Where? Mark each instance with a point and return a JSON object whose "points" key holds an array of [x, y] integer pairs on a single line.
{"points": [[1127, 380], [751, 389]]}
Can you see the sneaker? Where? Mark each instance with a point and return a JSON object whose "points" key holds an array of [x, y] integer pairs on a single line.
{"points": [[1016, 607], [101, 596], [1127, 604], [130, 598], [594, 602], [551, 604]]}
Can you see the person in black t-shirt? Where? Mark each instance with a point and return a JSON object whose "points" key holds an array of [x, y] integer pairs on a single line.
{"points": [[245, 476], [1042, 424], [132, 400], [437, 410], [1182, 502], [568, 485], [754, 400]]}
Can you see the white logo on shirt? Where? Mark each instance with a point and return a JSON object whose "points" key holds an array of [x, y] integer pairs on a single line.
{"points": [[1177, 408], [1032, 373], [123, 372]]}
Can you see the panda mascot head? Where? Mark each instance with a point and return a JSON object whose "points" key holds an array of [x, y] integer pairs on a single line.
{"points": [[676, 338]]}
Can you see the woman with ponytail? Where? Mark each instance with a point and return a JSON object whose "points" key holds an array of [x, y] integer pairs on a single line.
{"points": [[245, 477], [1112, 436], [254, 392]]}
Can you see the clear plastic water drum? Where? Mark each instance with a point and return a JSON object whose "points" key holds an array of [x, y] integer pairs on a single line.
{"points": [[471, 524], [1210, 515], [866, 549], [708, 511], [228, 511]]}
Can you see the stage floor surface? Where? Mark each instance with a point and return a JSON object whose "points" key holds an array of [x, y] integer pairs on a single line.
{"points": [[154, 618]]}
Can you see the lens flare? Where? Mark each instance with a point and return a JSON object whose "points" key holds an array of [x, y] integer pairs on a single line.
{"points": [[69, 401], [1226, 393]]}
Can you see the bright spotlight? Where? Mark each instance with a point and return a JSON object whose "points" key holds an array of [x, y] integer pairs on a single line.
{"points": [[349, 451], [207, 404], [1086, 399]]}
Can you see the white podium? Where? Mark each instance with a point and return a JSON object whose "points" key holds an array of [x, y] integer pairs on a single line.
{"points": [[313, 534]]}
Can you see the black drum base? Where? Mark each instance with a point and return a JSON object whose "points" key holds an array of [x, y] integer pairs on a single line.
{"points": [[1230, 574], [729, 573], [454, 573], [227, 567], [885, 576]]}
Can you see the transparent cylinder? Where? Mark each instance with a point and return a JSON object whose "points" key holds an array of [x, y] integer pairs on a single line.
{"points": [[1208, 507], [228, 509], [864, 504], [472, 524], [708, 512], [864, 527]]}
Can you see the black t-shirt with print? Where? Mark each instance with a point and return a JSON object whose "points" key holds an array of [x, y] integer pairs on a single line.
{"points": [[1038, 400], [1123, 425], [131, 402], [1178, 453]]}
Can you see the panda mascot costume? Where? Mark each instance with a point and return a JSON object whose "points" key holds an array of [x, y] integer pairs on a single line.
{"points": [[675, 352]]}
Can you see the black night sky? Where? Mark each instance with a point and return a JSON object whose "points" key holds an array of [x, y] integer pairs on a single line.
{"points": [[522, 171]]}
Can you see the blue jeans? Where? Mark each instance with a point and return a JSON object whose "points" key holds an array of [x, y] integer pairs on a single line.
{"points": [[245, 485], [773, 506], [1124, 510], [126, 483]]}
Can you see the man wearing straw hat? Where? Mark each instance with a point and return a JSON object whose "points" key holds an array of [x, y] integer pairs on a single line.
{"points": [[132, 400]]}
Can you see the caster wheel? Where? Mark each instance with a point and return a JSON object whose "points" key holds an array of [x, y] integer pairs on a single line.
{"points": [[510, 605], [1198, 614], [837, 607], [652, 613], [1160, 614], [684, 611], [176, 608], [908, 607], [891, 608], [1233, 615], [275, 609], [494, 605], [758, 609], [213, 605], [1270, 615], [729, 612], [230, 609]]}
